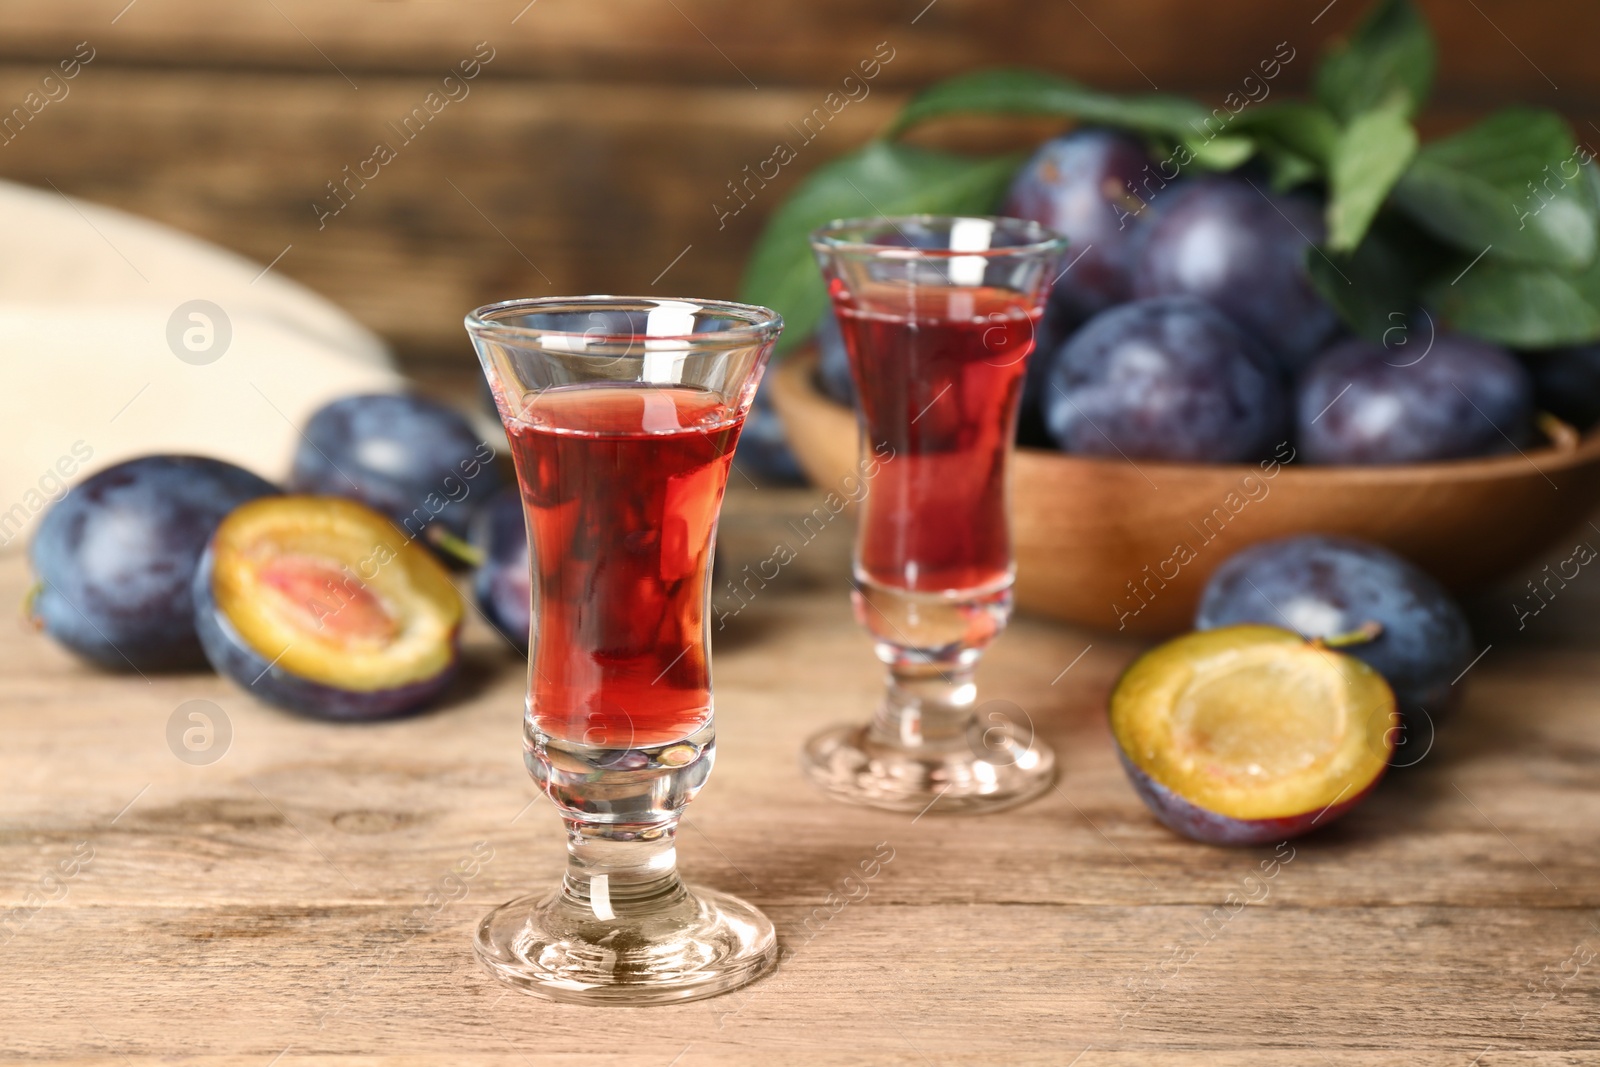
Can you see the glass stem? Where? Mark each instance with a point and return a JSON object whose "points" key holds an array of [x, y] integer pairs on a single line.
{"points": [[615, 870], [927, 703]]}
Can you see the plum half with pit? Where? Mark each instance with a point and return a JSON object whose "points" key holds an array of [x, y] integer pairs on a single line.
{"points": [[1242, 249], [1091, 186], [1362, 403], [1323, 586], [116, 558], [323, 606], [1166, 379], [1248, 735], [414, 459], [503, 581]]}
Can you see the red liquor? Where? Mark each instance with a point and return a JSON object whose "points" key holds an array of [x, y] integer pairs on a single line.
{"points": [[622, 484], [938, 371]]}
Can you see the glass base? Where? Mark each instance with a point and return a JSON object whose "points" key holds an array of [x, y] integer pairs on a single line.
{"points": [[950, 778], [701, 944]]}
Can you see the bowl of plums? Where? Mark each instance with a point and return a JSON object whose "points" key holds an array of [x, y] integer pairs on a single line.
{"points": [[1274, 319]]}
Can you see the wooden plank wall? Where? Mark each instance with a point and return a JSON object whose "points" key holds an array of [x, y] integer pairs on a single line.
{"points": [[590, 151]]}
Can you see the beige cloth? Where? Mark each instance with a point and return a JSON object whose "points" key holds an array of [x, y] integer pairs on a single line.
{"points": [[98, 363]]}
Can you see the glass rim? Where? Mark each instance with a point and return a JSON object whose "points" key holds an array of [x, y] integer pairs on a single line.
{"points": [[758, 324], [824, 239]]}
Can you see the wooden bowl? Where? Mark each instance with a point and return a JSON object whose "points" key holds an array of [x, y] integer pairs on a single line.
{"points": [[1124, 546]]}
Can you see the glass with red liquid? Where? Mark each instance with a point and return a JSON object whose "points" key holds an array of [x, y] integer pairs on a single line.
{"points": [[939, 317], [622, 415]]}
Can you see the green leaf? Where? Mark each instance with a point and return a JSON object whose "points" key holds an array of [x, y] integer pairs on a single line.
{"points": [[1308, 130], [1391, 51], [879, 178], [1223, 152], [1513, 182], [1368, 158], [1288, 170], [1018, 91], [1375, 287], [1520, 305]]}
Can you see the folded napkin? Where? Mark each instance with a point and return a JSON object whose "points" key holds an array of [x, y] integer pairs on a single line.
{"points": [[120, 337]]}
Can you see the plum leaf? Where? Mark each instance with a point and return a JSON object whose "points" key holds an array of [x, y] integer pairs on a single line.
{"points": [[1369, 156], [1513, 181], [1018, 91], [880, 178], [1392, 52], [1375, 287], [1521, 305]]}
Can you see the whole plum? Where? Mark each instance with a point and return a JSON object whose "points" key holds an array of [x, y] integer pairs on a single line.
{"points": [[1056, 325], [1168, 379], [413, 459], [1324, 586], [1241, 249], [763, 448], [1089, 186], [1361, 403], [833, 361], [1567, 383], [116, 558], [502, 583]]}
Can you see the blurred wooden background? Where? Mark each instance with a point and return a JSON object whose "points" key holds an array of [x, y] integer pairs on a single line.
{"points": [[590, 152]]}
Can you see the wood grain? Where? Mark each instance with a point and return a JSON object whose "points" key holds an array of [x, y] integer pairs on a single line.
{"points": [[1491, 49], [279, 898]]}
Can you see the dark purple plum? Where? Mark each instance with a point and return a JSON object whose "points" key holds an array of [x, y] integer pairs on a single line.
{"points": [[323, 606], [1242, 249], [1093, 187], [1362, 403], [1167, 379], [1567, 383], [416, 460], [1323, 586], [1057, 324], [502, 584], [833, 361], [116, 558], [763, 449]]}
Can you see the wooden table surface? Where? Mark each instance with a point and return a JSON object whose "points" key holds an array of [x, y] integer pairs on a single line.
{"points": [[299, 900]]}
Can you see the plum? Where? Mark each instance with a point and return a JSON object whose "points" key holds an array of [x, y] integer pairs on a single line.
{"points": [[503, 582], [1247, 735], [1361, 403], [116, 558], [1170, 379], [1323, 586], [1055, 326], [413, 459], [1566, 382], [833, 361], [763, 448], [323, 606], [1091, 186], [1242, 249]]}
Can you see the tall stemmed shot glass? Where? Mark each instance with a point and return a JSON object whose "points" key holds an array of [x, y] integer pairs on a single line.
{"points": [[938, 315], [622, 414]]}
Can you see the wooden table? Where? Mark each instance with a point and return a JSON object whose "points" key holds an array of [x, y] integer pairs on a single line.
{"points": [[293, 901]]}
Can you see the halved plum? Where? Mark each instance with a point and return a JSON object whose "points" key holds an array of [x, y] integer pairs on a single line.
{"points": [[1248, 735], [323, 606]]}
